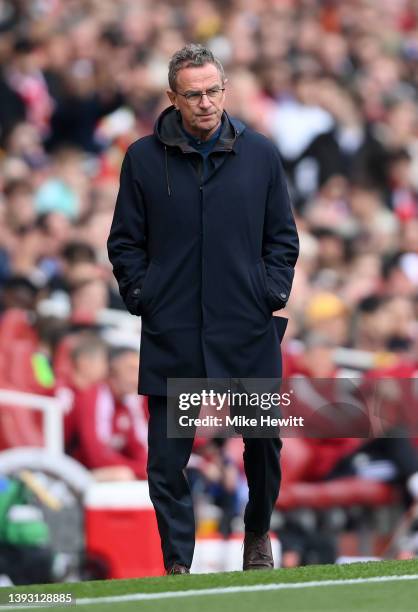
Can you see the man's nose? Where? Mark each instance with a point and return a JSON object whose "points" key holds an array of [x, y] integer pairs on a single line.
{"points": [[204, 101]]}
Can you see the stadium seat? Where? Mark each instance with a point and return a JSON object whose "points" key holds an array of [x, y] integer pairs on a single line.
{"points": [[340, 492]]}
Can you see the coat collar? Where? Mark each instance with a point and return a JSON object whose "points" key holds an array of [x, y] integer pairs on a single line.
{"points": [[168, 131]]}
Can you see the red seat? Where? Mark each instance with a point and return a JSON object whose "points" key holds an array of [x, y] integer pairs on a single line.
{"points": [[347, 491]]}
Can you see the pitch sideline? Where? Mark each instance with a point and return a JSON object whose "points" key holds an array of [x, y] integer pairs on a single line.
{"points": [[221, 591]]}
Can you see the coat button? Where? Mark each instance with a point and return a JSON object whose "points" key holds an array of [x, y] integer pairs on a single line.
{"points": [[283, 296], [136, 292]]}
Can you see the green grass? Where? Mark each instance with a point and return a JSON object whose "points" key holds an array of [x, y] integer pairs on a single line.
{"points": [[382, 596]]}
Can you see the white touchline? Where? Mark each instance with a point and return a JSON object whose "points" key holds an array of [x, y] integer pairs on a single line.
{"points": [[87, 601], [241, 589]]}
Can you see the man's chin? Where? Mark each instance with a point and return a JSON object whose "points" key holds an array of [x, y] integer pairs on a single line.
{"points": [[207, 124]]}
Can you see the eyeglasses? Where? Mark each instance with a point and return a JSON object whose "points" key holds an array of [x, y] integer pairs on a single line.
{"points": [[195, 97]]}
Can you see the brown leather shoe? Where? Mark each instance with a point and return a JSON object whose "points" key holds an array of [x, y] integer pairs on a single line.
{"points": [[176, 568], [257, 551]]}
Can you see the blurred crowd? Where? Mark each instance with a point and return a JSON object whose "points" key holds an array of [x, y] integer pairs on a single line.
{"points": [[334, 84]]}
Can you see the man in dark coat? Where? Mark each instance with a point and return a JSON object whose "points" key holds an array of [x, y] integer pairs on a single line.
{"points": [[203, 245]]}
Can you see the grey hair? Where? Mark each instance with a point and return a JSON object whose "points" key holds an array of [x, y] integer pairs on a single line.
{"points": [[192, 55]]}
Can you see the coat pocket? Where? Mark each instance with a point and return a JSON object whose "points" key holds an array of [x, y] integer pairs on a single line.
{"points": [[262, 267], [258, 278], [281, 324], [149, 291]]}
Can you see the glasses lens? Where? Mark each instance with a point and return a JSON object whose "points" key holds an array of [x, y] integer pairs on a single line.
{"points": [[214, 94], [193, 97]]}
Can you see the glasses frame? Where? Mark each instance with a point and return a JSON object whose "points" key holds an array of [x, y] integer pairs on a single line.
{"points": [[201, 93]]}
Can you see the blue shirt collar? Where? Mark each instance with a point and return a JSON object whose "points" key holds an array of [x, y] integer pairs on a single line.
{"points": [[196, 142]]}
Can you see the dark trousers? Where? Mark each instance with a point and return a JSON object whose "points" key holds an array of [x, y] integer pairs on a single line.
{"points": [[170, 492]]}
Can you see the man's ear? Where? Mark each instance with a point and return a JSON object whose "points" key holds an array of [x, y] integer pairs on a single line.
{"points": [[172, 97]]}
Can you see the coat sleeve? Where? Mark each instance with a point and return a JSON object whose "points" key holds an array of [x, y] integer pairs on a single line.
{"points": [[280, 238], [127, 241]]}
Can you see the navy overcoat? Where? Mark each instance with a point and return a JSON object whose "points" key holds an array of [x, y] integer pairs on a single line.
{"points": [[204, 254]]}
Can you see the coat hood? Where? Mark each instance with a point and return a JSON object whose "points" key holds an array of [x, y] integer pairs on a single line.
{"points": [[168, 131]]}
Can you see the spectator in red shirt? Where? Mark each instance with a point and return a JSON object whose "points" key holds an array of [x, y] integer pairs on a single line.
{"points": [[112, 422], [83, 363]]}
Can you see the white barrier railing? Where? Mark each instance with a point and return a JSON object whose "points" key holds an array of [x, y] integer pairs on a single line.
{"points": [[53, 417]]}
